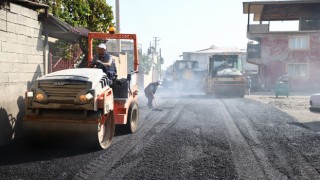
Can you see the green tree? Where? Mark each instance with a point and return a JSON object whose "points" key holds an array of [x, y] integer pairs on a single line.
{"points": [[95, 15], [145, 63], [101, 15]]}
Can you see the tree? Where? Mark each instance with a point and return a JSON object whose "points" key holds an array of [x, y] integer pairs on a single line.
{"points": [[145, 63], [101, 15], [95, 15]]}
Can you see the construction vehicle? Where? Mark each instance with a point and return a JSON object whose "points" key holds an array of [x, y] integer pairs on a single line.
{"points": [[185, 73], [224, 76], [84, 102]]}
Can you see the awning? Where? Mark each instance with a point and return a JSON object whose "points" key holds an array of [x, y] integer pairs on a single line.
{"points": [[30, 4], [282, 10], [59, 29]]}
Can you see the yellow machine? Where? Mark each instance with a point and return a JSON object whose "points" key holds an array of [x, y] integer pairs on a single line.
{"points": [[185, 74], [224, 76]]}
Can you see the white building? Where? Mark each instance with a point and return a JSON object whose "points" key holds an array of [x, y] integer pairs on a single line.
{"points": [[202, 56]]}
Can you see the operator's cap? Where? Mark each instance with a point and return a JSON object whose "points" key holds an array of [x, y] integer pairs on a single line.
{"points": [[102, 46]]}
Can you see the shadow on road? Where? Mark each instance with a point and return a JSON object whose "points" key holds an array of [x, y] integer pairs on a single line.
{"points": [[19, 152], [313, 126]]}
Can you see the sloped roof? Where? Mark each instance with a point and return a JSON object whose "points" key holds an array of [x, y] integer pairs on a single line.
{"points": [[282, 10], [220, 50], [59, 29]]}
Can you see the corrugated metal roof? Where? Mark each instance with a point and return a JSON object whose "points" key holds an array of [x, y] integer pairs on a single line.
{"points": [[282, 10], [59, 29]]}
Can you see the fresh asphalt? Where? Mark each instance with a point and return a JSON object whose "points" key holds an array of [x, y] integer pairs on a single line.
{"points": [[193, 137]]}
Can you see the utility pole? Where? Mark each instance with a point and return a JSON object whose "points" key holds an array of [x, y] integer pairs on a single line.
{"points": [[156, 40], [118, 42], [160, 64]]}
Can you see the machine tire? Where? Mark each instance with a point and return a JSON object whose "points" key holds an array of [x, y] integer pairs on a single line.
{"points": [[106, 131], [133, 118]]}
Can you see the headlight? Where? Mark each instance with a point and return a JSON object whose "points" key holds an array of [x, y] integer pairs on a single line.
{"points": [[39, 97], [89, 96], [30, 94], [83, 98], [29, 98]]}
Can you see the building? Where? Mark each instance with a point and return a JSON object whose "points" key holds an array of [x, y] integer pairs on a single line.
{"points": [[202, 56], [295, 52], [127, 47], [24, 56]]}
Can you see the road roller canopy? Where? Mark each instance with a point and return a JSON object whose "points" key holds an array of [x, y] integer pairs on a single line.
{"points": [[108, 36]]}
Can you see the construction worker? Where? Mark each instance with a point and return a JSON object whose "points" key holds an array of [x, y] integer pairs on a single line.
{"points": [[102, 60], [150, 90]]}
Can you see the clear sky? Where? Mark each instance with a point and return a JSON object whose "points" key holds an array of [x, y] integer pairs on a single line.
{"points": [[184, 25]]}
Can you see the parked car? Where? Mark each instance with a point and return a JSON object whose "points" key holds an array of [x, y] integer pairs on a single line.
{"points": [[315, 103]]}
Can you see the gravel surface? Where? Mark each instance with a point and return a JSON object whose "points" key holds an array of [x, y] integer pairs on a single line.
{"points": [[296, 106]]}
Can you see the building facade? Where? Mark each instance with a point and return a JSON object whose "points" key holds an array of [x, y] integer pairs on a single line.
{"points": [[295, 53], [202, 56]]}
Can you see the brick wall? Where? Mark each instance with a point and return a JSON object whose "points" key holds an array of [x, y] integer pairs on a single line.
{"points": [[21, 62]]}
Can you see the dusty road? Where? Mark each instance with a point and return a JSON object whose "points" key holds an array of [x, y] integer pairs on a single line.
{"points": [[296, 106], [193, 137]]}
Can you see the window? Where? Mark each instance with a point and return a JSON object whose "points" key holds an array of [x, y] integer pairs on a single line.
{"points": [[298, 71], [298, 43]]}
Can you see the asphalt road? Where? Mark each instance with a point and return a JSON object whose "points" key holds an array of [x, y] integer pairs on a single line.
{"points": [[193, 137]]}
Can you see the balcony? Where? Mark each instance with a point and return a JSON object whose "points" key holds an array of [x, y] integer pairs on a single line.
{"points": [[258, 28]]}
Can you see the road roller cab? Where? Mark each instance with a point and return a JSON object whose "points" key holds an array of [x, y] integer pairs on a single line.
{"points": [[83, 102]]}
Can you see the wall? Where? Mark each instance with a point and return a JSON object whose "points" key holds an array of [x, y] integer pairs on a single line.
{"points": [[275, 55], [21, 62], [121, 64], [153, 74], [202, 58]]}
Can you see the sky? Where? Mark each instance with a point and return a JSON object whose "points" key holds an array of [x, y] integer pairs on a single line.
{"points": [[184, 25]]}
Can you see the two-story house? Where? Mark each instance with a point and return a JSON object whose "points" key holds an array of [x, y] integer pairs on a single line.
{"points": [[295, 52]]}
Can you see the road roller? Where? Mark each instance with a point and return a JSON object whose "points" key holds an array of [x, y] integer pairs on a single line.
{"points": [[84, 103]]}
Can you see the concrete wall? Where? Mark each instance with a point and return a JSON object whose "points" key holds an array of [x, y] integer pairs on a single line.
{"points": [[21, 62], [202, 58], [121, 64], [276, 55]]}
